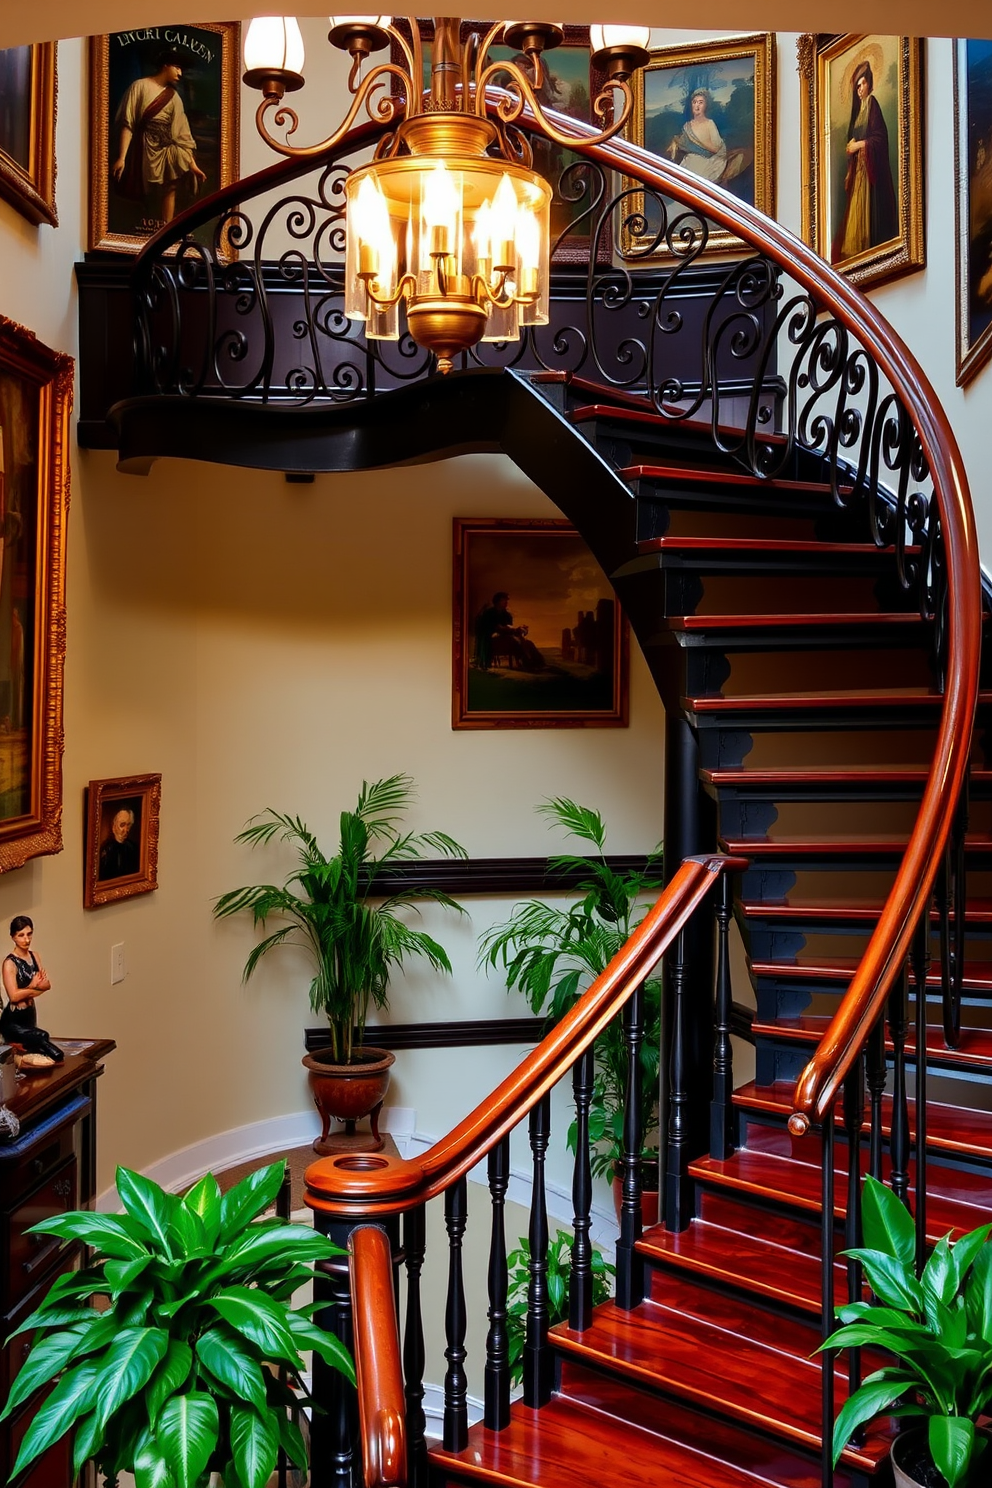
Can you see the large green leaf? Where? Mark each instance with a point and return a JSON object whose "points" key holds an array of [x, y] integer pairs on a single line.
{"points": [[203, 1199], [952, 1441], [102, 1231], [148, 1204], [48, 1356], [187, 1237], [891, 1280], [120, 1274], [247, 1199], [226, 1357], [978, 1294], [58, 1413], [262, 1322], [127, 1366], [292, 1243], [151, 1467], [887, 1224], [291, 1440], [87, 1440], [307, 1335], [170, 1376], [187, 1431], [254, 1444], [867, 1402]]}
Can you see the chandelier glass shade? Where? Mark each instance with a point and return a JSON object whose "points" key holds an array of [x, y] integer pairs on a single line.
{"points": [[449, 222]]}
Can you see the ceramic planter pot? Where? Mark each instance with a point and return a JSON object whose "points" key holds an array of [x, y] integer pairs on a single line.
{"points": [[912, 1466], [348, 1093], [649, 1196]]}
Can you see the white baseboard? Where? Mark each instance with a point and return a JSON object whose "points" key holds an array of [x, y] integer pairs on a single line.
{"points": [[261, 1138]]}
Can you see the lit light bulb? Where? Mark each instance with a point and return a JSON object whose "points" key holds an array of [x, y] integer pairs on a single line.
{"points": [[440, 210], [503, 224], [377, 251], [274, 44], [601, 37], [528, 242], [379, 21]]}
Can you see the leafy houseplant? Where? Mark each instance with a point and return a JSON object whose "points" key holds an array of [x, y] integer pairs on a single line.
{"points": [[328, 904], [552, 955], [169, 1382], [558, 1277], [939, 1329]]}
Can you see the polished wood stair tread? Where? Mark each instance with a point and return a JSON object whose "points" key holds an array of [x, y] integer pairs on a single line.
{"points": [[978, 911], [749, 1262], [952, 1129], [977, 975], [974, 1050], [840, 844], [801, 547], [714, 1360], [696, 474], [743, 777], [867, 697], [630, 413], [569, 1444], [764, 621], [793, 1183]]}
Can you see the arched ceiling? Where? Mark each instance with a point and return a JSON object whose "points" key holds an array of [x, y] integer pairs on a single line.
{"points": [[44, 19]]}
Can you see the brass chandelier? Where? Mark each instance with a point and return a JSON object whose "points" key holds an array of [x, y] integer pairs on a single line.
{"points": [[450, 218]]}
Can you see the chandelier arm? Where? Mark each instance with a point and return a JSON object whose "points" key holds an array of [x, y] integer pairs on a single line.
{"points": [[387, 302], [520, 95], [386, 110], [413, 55], [496, 29]]}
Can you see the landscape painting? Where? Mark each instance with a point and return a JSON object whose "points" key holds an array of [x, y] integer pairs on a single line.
{"points": [[539, 639]]}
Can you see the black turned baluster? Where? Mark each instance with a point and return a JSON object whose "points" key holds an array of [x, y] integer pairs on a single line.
{"points": [[630, 1263], [899, 1135], [497, 1415], [854, 1114], [958, 888], [455, 1322], [677, 1206], [920, 961], [721, 1106], [580, 1282], [944, 880], [414, 1354], [875, 1064], [538, 1357], [284, 1211], [827, 1316]]}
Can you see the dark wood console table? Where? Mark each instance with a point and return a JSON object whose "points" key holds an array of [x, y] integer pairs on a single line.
{"points": [[50, 1167]]}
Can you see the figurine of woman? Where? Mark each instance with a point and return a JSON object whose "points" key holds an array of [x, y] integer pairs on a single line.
{"points": [[24, 979]]}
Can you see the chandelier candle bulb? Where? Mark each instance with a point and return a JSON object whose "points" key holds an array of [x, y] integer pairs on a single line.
{"points": [[274, 55]]}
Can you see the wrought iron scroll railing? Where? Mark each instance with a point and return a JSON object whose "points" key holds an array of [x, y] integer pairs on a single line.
{"points": [[787, 357]]}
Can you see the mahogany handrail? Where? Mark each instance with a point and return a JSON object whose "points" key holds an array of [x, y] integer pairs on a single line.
{"points": [[376, 1184], [885, 956], [378, 1370]]}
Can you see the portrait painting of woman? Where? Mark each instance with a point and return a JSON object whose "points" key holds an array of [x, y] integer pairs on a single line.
{"points": [[709, 107], [871, 214], [862, 136]]}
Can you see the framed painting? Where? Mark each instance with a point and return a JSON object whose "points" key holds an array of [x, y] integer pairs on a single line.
{"points": [[861, 110], [35, 403], [28, 101], [122, 818], [539, 638], [164, 104], [710, 107], [973, 178], [570, 85]]}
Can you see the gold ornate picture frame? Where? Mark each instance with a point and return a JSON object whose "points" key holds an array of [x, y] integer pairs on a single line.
{"points": [[122, 823], [35, 404], [29, 94], [862, 125], [710, 107], [973, 186], [154, 134]]}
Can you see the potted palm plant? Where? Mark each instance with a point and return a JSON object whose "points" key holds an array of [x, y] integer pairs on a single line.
{"points": [[178, 1375], [552, 954], [938, 1328], [329, 905]]}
